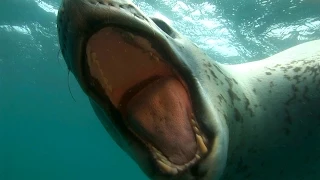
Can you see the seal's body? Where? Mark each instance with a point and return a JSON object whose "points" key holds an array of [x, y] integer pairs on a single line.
{"points": [[181, 115]]}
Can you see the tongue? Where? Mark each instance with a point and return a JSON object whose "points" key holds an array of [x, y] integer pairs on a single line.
{"points": [[160, 114]]}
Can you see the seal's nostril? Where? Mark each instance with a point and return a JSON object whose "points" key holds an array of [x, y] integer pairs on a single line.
{"points": [[164, 27], [101, 2], [110, 4]]}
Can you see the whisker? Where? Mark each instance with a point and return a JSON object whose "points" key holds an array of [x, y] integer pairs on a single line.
{"points": [[108, 16], [59, 56], [69, 86]]}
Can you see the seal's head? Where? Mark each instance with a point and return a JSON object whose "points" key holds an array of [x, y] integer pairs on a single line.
{"points": [[144, 82]]}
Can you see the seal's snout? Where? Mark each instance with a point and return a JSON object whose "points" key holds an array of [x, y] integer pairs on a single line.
{"points": [[77, 20]]}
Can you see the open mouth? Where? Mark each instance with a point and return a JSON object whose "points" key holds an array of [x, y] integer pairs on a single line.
{"points": [[150, 95]]}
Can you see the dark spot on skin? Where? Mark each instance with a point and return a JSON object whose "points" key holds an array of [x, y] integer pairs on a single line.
{"points": [[254, 90], [221, 82], [229, 82], [252, 150], [241, 167], [306, 69], [297, 78], [220, 96], [225, 116], [277, 65], [287, 131], [259, 80], [287, 77], [296, 69], [234, 81], [247, 103], [237, 115], [233, 96], [270, 91], [288, 118], [248, 175], [268, 73], [294, 62], [313, 71], [294, 88], [271, 84], [256, 105], [281, 172], [271, 69], [286, 68], [208, 77], [304, 94], [294, 96], [213, 74], [218, 68], [206, 64]]}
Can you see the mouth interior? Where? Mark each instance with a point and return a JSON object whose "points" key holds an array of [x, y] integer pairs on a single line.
{"points": [[151, 97]]}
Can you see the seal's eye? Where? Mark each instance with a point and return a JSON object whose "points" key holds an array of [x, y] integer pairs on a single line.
{"points": [[164, 27]]}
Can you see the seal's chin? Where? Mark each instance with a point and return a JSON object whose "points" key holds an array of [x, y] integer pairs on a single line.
{"points": [[152, 98]]}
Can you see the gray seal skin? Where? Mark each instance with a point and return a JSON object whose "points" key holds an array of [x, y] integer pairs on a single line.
{"points": [[257, 120]]}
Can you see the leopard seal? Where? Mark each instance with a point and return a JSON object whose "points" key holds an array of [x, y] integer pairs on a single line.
{"points": [[181, 115]]}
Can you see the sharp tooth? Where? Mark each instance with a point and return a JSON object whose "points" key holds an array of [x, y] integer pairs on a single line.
{"points": [[180, 168], [166, 161], [197, 156], [167, 168], [156, 150], [153, 148], [110, 88], [159, 154], [154, 57], [196, 130], [93, 56], [193, 122], [202, 146]]}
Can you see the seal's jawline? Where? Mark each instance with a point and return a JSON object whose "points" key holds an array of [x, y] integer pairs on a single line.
{"points": [[122, 125]]}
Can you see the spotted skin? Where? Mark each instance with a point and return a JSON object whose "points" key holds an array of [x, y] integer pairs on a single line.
{"points": [[275, 130], [261, 118]]}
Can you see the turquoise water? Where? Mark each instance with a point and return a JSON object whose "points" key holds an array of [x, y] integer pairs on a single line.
{"points": [[45, 134]]}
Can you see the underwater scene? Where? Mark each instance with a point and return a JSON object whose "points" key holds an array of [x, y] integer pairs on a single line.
{"points": [[51, 130]]}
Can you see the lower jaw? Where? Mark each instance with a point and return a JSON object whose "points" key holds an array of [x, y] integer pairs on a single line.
{"points": [[170, 168]]}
